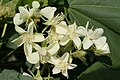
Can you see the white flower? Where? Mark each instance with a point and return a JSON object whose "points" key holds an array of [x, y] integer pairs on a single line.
{"points": [[27, 38], [72, 34], [54, 41], [90, 35], [102, 46], [43, 53], [25, 14], [48, 12], [62, 64]]}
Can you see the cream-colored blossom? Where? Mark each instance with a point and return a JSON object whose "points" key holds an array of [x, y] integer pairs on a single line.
{"points": [[62, 64], [49, 12], [25, 14], [27, 38], [90, 35]]}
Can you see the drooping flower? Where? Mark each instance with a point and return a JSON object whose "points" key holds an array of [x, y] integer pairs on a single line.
{"points": [[90, 35], [49, 12], [101, 46], [25, 14], [27, 38], [62, 64]]}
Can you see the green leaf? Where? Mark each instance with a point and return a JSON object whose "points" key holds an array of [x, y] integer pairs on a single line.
{"points": [[100, 13], [10, 44], [12, 75], [100, 72], [8, 9]]}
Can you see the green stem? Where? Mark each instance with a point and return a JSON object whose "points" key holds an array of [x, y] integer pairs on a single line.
{"points": [[4, 30], [65, 10], [45, 29]]}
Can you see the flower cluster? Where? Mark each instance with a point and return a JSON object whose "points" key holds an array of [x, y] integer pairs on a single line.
{"points": [[57, 35]]}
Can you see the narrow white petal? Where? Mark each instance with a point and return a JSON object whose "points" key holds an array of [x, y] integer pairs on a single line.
{"points": [[77, 42], [19, 30], [65, 73], [38, 37], [87, 25], [48, 12], [33, 58], [72, 66], [35, 4], [98, 32], [27, 49], [17, 20], [64, 40], [56, 70], [53, 48], [18, 41], [99, 43], [61, 28], [87, 43], [30, 28]]}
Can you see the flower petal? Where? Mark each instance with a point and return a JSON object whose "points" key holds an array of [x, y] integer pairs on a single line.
{"points": [[33, 58], [56, 70], [27, 49], [65, 57], [87, 43], [38, 37], [18, 41], [24, 13], [19, 30], [35, 4], [65, 73], [99, 43], [30, 28], [41, 51], [106, 49], [87, 25], [72, 66], [77, 42], [17, 20], [73, 26], [61, 28], [98, 32], [48, 12], [81, 31], [53, 48], [64, 41]]}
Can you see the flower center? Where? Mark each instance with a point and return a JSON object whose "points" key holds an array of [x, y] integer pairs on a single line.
{"points": [[62, 65], [27, 38]]}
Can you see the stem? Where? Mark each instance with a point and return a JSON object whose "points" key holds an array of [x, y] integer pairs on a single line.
{"points": [[43, 69], [4, 30], [65, 10], [48, 73], [44, 29]]}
